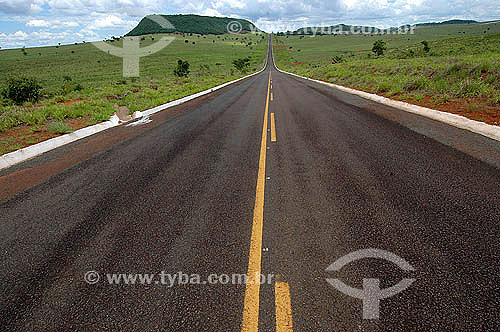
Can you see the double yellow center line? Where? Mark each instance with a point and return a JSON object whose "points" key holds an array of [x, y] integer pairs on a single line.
{"points": [[250, 321], [252, 292]]}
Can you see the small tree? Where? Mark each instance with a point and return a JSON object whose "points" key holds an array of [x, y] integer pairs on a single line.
{"points": [[379, 47], [182, 69], [242, 64], [337, 59], [426, 46], [22, 89]]}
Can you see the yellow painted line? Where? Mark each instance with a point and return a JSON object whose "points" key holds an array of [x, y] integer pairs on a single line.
{"points": [[284, 322], [250, 321], [272, 96], [273, 128]]}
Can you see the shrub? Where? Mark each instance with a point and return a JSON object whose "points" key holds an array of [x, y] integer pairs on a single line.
{"points": [[471, 88], [384, 87], [22, 89], [59, 128], [426, 46], [337, 59], [379, 47], [182, 69], [416, 84], [242, 64], [69, 85]]}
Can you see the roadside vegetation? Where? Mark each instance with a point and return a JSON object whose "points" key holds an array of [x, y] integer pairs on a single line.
{"points": [[49, 91], [455, 72]]}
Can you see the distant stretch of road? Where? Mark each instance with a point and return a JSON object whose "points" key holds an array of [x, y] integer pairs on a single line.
{"points": [[274, 175]]}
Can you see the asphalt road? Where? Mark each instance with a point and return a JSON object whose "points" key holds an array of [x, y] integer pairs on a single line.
{"points": [[276, 175]]}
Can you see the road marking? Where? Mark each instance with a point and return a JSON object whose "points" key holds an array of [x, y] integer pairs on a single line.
{"points": [[272, 96], [284, 322], [250, 321], [273, 128]]}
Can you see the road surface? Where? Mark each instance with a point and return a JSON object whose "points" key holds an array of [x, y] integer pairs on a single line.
{"points": [[274, 175]]}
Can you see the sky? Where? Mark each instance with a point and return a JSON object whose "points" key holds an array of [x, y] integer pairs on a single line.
{"points": [[32, 23]]}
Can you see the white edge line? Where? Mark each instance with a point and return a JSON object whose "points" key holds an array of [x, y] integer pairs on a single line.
{"points": [[455, 120], [10, 159]]}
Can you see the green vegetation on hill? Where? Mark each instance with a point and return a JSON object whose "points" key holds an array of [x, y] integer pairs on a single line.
{"points": [[82, 85], [448, 22], [190, 24], [344, 28], [456, 72]]}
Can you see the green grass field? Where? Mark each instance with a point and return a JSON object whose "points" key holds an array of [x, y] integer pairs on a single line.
{"points": [[82, 82], [460, 73]]}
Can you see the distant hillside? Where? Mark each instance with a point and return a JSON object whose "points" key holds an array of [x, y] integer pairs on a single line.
{"points": [[343, 28], [447, 22], [334, 29], [189, 24]]}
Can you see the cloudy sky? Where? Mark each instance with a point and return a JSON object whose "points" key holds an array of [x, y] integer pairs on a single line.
{"points": [[47, 22]]}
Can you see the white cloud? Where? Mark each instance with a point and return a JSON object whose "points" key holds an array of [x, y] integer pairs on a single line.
{"points": [[212, 12], [16, 39], [19, 35], [21, 38], [25, 7], [111, 21], [53, 24], [69, 24], [38, 23], [107, 22]]}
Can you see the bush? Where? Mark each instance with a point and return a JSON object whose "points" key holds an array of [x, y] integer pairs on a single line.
{"points": [[242, 64], [22, 89], [379, 47], [416, 84], [69, 87], [471, 88], [337, 59], [59, 128], [426, 46], [182, 69], [384, 87]]}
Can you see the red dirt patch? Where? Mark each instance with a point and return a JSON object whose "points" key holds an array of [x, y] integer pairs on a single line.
{"points": [[478, 109], [472, 108], [71, 102]]}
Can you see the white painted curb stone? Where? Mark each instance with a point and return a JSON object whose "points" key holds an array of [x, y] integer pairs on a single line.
{"points": [[13, 158], [458, 121]]}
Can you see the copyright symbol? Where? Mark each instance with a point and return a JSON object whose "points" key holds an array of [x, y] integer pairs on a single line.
{"points": [[92, 277], [234, 27]]}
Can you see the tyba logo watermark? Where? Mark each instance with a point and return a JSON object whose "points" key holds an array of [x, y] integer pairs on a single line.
{"points": [[132, 51], [371, 294]]}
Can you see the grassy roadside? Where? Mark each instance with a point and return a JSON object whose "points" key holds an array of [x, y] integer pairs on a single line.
{"points": [[460, 75], [83, 85]]}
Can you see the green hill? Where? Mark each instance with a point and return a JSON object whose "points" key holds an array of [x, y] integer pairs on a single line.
{"points": [[343, 28], [449, 22], [188, 24]]}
